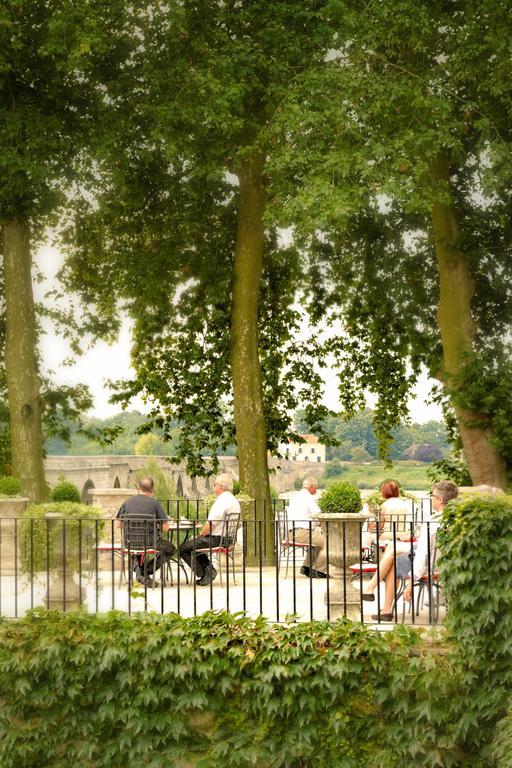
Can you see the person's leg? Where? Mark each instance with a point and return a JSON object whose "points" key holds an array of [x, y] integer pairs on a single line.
{"points": [[198, 562], [138, 567], [385, 563], [167, 549], [389, 597], [318, 554], [316, 540]]}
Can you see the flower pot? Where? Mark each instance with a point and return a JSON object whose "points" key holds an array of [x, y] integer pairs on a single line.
{"points": [[11, 510], [62, 590], [342, 543]]}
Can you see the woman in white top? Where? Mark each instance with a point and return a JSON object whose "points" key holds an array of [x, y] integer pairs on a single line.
{"points": [[393, 507]]}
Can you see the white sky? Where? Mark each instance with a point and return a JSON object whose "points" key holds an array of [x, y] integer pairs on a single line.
{"points": [[104, 361]]}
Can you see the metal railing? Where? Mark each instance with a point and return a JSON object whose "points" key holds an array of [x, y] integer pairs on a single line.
{"points": [[65, 563]]}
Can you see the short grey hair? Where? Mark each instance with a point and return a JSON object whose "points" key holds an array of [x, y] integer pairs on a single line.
{"points": [[225, 480], [447, 489], [146, 484], [310, 482]]}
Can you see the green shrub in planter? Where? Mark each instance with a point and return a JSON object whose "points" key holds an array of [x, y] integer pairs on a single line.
{"points": [[65, 491], [341, 498], [10, 486], [69, 522]]}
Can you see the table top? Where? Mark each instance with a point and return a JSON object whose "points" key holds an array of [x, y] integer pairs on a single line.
{"points": [[183, 524]]}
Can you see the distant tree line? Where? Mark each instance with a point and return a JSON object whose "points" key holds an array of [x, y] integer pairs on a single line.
{"points": [[355, 437]]}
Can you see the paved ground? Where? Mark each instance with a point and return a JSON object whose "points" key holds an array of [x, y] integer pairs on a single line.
{"points": [[261, 592]]}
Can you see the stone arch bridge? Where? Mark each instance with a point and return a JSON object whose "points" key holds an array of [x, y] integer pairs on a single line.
{"points": [[88, 472]]}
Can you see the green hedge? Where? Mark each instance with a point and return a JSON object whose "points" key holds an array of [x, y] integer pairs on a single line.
{"points": [[65, 491], [72, 520], [221, 690], [476, 562]]}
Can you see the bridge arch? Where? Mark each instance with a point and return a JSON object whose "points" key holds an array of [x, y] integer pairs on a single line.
{"points": [[85, 490]]}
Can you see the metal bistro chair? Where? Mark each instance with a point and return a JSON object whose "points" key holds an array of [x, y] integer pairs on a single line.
{"points": [[137, 538], [225, 550], [141, 537], [140, 540], [428, 583], [287, 544]]}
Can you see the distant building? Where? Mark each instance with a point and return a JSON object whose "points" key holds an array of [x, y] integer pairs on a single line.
{"points": [[311, 450], [424, 452]]}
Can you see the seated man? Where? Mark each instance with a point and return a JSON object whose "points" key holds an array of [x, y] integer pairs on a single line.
{"points": [[442, 493], [302, 512], [141, 510], [210, 534]]}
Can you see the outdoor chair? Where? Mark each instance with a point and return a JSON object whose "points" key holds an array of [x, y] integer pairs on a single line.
{"points": [[138, 538], [225, 550], [428, 584], [286, 544], [117, 551]]}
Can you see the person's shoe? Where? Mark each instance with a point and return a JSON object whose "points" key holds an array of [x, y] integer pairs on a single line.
{"points": [[369, 596], [147, 581], [382, 616], [311, 573], [208, 576]]}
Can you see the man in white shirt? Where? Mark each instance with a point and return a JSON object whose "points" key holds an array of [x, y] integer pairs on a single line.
{"points": [[303, 528], [441, 494], [211, 531]]}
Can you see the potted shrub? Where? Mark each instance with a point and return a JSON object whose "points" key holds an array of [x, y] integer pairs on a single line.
{"points": [[9, 486], [59, 536], [341, 519], [341, 498], [12, 507]]}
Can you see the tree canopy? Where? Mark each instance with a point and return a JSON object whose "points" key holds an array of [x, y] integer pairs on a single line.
{"points": [[184, 187], [404, 206], [240, 165]]}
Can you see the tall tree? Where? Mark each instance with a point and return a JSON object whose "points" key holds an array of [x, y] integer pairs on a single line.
{"points": [[411, 189], [191, 193], [46, 107]]}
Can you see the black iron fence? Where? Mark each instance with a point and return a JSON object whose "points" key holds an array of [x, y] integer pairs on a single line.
{"points": [[266, 565]]}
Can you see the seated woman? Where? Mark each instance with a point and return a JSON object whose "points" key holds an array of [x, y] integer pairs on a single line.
{"points": [[392, 507], [441, 494]]}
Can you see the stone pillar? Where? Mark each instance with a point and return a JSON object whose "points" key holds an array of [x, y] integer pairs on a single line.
{"points": [[11, 510], [63, 592], [342, 539], [109, 499]]}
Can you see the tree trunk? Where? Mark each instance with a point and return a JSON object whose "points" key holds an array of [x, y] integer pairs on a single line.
{"points": [[24, 400], [456, 289], [251, 433]]}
